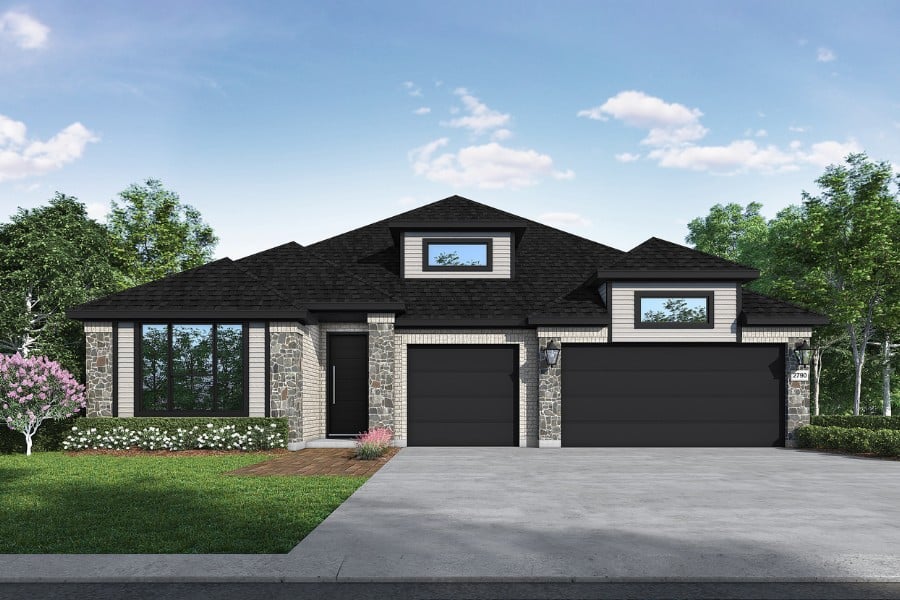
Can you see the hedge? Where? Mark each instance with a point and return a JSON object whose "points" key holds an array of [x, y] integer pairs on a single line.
{"points": [[52, 434], [883, 442], [863, 421]]}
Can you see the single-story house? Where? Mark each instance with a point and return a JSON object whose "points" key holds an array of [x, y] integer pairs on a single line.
{"points": [[437, 322]]}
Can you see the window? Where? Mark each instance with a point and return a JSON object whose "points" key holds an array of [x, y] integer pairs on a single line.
{"points": [[192, 369], [678, 310], [457, 255]]}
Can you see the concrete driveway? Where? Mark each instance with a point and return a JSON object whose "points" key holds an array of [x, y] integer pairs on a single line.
{"points": [[614, 514]]}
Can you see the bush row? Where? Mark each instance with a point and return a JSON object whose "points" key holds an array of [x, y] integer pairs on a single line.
{"points": [[864, 421], [49, 437], [883, 442]]}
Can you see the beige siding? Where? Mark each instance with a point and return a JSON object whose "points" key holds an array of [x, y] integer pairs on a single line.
{"points": [[125, 368], [257, 369], [528, 370], [502, 256], [724, 312]]}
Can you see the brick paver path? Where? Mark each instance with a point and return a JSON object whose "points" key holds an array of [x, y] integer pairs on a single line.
{"points": [[318, 461]]}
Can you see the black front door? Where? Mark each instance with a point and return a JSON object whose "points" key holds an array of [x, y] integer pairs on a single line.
{"points": [[348, 384]]}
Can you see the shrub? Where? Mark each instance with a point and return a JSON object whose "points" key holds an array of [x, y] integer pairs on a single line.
{"points": [[177, 433], [884, 442], [864, 421], [373, 443], [36, 389]]}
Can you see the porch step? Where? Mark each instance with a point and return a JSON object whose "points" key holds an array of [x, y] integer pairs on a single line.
{"points": [[331, 443]]}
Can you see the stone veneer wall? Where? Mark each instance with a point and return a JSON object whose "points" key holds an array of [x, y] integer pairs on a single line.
{"points": [[286, 380], [797, 392], [98, 372], [550, 378], [528, 370], [381, 370]]}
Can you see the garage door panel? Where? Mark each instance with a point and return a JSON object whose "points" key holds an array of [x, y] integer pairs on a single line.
{"points": [[462, 395], [673, 434], [690, 395]]}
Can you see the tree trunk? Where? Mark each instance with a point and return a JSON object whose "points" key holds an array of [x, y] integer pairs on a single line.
{"points": [[886, 376], [27, 444], [859, 358], [817, 375]]}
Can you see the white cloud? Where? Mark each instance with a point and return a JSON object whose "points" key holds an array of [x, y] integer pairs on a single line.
{"points": [[669, 123], [829, 152], [23, 30], [564, 219], [796, 129], [20, 157], [422, 110], [825, 55], [479, 118], [501, 134], [412, 89], [627, 157], [487, 166], [564, 175], [97, 210]]}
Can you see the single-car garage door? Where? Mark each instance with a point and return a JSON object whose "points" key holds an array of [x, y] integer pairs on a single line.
{"points": [[463, 395], [672, 395]]}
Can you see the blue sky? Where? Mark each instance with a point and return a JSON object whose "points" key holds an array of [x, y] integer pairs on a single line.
{"points": [[301, 120]]}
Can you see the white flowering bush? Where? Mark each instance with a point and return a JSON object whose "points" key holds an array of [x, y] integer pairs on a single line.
{"points": [[210, 437]]}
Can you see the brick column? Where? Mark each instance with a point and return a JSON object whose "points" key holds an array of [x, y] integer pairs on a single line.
{"points": [[549, 398], [98, 371], [286, 379], [381, 370], [797, 395]]}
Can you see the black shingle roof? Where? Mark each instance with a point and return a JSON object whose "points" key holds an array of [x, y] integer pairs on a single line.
{"points": [[763, 310], [556, 278]]}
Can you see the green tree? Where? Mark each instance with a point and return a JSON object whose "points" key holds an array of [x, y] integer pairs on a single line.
{"points": [[732, 232], [51, 258], [840, 251], [157, 234]]}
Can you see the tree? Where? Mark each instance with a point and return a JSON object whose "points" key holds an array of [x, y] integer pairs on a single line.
{"points": [[840, 251], [157, 234], [732, 232], [33, 390], [51, 258]]}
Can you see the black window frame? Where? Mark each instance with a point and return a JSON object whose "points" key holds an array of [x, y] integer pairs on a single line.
{"points": [[710, 313], [170, 412], [488, 243]]}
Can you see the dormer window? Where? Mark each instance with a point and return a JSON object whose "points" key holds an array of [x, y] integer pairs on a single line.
{"points": [[460, 254]]}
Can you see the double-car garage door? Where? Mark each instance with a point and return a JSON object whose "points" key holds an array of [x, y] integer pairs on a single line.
{"points": [[612, 395]]}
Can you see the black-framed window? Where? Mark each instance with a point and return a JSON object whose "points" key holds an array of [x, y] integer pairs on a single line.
{"points": [[457, 254], [192, 369], [674, 310]]}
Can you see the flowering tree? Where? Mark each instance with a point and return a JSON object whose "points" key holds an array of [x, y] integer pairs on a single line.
{"points": [[33, 390]]}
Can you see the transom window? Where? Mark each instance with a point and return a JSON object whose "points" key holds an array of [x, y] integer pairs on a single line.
{"points": [[457, 255], [664, 310], [192, 369]]}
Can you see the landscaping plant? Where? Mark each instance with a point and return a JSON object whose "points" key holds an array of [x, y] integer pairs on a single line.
{"points": [[33, 390], [373, 443]]}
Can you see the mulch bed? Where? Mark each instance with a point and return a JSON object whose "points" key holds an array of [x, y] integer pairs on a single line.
{"points": [[318, 461], [175, 454]]}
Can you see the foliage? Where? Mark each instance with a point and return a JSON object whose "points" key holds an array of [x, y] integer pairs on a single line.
{"points": [[733, 232], [883, 442], [49, 437], [675, 310], [151, 504], [157, 234], [452, 259], [177, 433], [33, 390], [863, 421], [373, 443], [51, 258]]}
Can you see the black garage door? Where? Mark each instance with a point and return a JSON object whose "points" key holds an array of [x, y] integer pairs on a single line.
{"points": [[463, 395], [672, 395]]}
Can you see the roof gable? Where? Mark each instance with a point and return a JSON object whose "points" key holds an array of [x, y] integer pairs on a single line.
{"points": [[661, 259]]}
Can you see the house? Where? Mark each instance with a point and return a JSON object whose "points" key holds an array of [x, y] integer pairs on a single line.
{"points": [[435, 323]]}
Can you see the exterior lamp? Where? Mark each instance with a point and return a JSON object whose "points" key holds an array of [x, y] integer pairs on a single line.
{"points": [[551, 353], [803, 353]]}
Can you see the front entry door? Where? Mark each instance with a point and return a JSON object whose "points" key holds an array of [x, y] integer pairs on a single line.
{"points": [[348, 384]]}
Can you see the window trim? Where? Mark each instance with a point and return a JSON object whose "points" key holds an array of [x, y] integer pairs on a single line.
{"points": [[139, 410], [488, 243], [710, 305]]}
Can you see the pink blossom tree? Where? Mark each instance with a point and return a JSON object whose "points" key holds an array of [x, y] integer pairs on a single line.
{"points": [[33, 390]]}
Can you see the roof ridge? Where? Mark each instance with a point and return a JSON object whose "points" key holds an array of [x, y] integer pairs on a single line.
{"points": [[266, 283], [344, 271]]}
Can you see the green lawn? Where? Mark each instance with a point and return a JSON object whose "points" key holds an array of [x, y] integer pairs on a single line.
{"points": [[54, 503]]}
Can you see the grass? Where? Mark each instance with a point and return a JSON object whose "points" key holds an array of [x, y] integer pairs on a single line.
{"points": [[55, 503]]}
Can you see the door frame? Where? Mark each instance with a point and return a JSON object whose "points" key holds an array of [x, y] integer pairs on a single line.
{"points": [[329, 383]]}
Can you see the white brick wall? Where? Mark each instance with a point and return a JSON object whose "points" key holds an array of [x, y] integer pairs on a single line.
{"points": [[575, 335], [313, 368], [773, 335], [528, 370]]}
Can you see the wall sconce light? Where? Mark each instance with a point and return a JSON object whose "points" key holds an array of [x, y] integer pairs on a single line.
{"points": [[551, 353], [803, 353]]}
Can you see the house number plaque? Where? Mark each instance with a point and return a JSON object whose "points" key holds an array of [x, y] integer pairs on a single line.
{"points": [[800, 375]]}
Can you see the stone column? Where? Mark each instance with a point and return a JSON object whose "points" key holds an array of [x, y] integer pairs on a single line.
{"points": [[797, 404], [549, 399], [381, 370], [98, 337], [286, 379]]}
